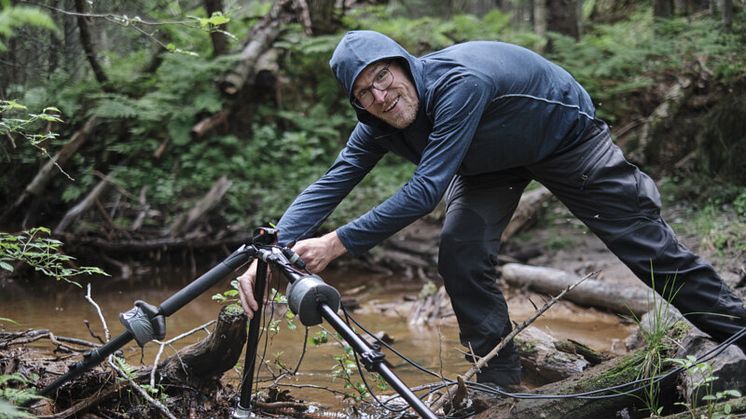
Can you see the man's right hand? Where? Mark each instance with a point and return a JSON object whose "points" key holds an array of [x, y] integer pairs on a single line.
{"points": [[246, 290]]}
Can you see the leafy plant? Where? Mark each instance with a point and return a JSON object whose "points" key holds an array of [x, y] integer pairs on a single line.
{"points": [[42, 253], [703, 379], [12, 396], [13, 17]]}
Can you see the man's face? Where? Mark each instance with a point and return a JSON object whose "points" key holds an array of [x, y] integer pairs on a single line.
{"points": [[396, 105]]}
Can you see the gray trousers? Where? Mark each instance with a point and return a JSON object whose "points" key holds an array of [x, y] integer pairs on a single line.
{"points": [[618, 202]]}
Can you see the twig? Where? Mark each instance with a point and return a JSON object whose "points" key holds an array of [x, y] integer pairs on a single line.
{"points": [[140, 390], [303, 352], [29, 336], [518, 329], [92, 333], [169, 342], [98, 309]]}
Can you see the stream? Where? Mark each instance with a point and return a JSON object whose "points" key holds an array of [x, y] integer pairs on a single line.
{"points": [[62, 308]]}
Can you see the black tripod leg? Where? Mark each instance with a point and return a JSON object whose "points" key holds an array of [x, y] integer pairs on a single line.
{"points": [[244, 405], [374, 360]]}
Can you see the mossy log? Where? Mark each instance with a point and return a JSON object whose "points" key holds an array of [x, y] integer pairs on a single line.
{"points": [[610, 373], [542, 360]]}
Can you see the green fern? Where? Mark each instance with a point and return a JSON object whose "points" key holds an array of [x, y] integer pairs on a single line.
{"points": [[14, 17]]}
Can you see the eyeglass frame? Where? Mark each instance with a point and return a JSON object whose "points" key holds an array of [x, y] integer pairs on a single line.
{"points": [[375, 85]]}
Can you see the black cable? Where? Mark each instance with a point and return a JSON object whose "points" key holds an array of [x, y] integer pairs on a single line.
{"points": [[591, 395], [365, 382]]}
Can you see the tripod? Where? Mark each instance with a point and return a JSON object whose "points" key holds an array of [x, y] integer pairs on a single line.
{"points": [[309, 297]]}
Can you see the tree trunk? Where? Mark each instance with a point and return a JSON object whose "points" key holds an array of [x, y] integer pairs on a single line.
{"points": [[219, 40], [562, 17], [663, 9], [202, 364], [540, 19], [727, 12], [323, 20], [594, 293], [88, 47], [261, 38]]}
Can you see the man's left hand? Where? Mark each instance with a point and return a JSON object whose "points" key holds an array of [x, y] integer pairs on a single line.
{"points": [[318, 252]]}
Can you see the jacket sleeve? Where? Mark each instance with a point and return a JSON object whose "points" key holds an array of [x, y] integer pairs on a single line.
{"points": [[316, 202], [458, 103]]}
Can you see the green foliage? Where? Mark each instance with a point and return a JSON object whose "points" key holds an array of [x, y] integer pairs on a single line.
{"points": [[702, 375], [426, 34], [14, 119], [14, 17], [228, 297], [345, 369], [42, 253], [15, 390], [622, 64], [657, 337]]}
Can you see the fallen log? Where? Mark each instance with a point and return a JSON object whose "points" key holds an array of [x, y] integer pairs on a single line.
{"points": [[81, 207], [541, 359], [185, 222], [594, 293], [729, 368], [681, 341], [527, 212]]}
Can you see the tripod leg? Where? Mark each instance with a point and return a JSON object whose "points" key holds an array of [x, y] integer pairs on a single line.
{"points": [[244, 405]]}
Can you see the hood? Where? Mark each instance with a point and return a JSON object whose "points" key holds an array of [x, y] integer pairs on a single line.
{"points": [[357, 50]]}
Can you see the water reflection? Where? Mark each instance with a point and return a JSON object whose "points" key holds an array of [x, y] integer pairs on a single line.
{"points": [[61, 308]]}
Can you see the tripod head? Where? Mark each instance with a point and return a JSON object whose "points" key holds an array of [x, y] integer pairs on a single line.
{"points": [[306, 291]]}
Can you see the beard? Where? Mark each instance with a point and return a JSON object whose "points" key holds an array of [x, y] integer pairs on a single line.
{"points": [[404, 114]]}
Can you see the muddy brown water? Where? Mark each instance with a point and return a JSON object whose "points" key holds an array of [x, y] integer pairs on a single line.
{"points": [[62, 309]]}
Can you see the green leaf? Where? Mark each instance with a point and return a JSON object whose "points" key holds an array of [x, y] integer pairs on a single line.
{"points": [[4, 319], [218, 19], [7, 266]]}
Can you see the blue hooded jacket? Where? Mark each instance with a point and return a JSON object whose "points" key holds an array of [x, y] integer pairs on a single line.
{"points": [[484, 107]]}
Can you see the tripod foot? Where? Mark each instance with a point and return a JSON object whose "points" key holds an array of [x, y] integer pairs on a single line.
{"points": [[241, 413]]}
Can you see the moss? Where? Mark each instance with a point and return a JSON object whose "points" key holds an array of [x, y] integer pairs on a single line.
{"points": [[234, 309]]}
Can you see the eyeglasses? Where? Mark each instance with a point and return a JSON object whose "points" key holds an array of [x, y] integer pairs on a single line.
{"points": [[381, 82]]}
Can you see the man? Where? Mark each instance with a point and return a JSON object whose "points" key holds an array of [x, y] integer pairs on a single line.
{"points": [[480, 120]]}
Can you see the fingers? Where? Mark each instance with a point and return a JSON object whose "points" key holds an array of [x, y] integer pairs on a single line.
{"points": [[312, 255], [246, 290]]}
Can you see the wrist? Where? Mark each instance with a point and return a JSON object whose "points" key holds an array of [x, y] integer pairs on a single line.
{"points": [[336, 248]]}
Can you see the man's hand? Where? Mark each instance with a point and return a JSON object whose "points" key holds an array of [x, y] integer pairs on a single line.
{"points": [[318, 252], [246, 290]]}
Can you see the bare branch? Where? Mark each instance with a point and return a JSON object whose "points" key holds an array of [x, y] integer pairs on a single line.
{"points": [[98, 310]]}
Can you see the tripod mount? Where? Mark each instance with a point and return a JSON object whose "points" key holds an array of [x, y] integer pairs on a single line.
{"points": [[309, 297]]}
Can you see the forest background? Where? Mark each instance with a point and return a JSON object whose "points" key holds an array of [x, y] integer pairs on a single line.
{"points": [[132, 129], [142, 90]]}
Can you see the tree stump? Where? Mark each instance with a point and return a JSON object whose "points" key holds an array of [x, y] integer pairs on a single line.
{"points": [[202, 364]]}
